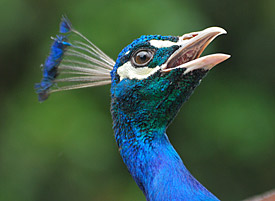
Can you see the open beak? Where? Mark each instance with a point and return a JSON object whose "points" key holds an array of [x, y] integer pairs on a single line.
{"points": [[191, 47]]}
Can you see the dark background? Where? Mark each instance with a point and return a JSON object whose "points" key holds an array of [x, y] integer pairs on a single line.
{"points": [[63, 149]]}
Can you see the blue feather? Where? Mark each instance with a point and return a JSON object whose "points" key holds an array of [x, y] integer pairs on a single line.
{"points": [[140, 134], [65, 25], [50, 66], [82, 58]]}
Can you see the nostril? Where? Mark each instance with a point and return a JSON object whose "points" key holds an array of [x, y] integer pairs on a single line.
{"points": [[189, 36]]}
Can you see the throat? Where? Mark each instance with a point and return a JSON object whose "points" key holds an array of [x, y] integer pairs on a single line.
{"points": [[156, 167]]}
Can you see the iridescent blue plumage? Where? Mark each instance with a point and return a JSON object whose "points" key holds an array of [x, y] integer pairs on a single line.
{"points": [[52, 62], [50, 66], [141, 111], [65, 25], [150, 80]]}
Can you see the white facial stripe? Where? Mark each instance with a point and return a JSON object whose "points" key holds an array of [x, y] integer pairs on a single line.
{"points": [[130, 72], [127, 52], [162, 43]]}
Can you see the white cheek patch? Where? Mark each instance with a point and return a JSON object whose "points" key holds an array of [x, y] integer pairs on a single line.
{"points": [[162, 43], [130, 72]]}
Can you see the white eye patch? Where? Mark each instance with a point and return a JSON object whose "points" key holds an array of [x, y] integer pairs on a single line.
{"points": [[162, 43], [130, 72]]}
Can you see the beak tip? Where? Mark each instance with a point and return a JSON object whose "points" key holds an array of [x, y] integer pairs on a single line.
{"points": [[217, 30], [222, 31], [215, 59]]}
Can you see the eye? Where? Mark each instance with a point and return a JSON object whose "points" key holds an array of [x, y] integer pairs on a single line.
{"points": [[142, 57]]}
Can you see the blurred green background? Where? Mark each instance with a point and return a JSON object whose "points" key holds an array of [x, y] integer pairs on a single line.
{"points": [[64, 149]]}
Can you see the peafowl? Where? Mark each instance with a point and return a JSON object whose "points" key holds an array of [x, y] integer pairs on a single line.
{"points": [[150, 80]]}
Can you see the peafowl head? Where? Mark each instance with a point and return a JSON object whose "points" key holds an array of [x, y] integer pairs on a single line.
{"points": [[150, 79], [155, 74]]}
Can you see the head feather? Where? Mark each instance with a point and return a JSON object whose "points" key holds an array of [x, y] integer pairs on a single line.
{"points": [[73, 63]]}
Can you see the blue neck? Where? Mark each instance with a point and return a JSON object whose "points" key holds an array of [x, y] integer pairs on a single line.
{"points": [[155, 165], [141, 112]]}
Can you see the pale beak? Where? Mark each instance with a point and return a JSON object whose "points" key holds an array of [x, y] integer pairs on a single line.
{"points": [[191, 47]]}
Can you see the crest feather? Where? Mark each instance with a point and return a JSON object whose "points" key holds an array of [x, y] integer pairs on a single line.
{"points": [[73, 63]]}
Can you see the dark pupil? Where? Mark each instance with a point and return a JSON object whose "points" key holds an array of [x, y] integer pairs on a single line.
{"points": [[142, 57]]}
